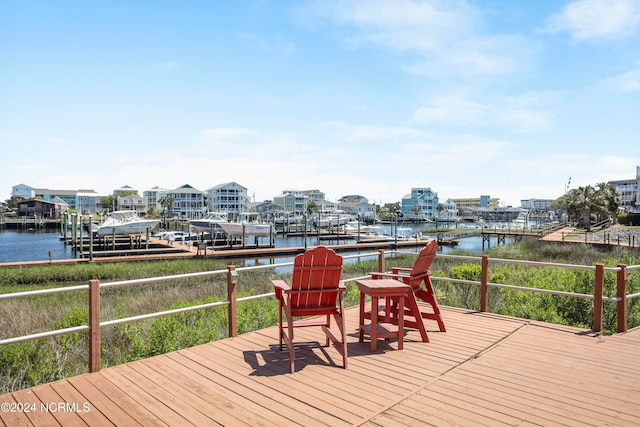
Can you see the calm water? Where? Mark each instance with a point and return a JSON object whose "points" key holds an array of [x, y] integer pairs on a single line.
{"points": [[18, 245]]}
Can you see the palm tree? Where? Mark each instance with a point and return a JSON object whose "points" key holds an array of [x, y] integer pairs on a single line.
{"points": [[581, 202], [611, 197], [165, 202]]}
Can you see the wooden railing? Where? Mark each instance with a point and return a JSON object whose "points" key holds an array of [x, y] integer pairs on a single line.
{"points": [[94, 287]]}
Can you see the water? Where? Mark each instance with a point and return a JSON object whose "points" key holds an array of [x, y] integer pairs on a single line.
{"points": [[23, 245]]}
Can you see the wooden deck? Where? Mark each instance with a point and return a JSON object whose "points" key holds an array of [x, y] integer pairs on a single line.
{"points": [[485, 370]]}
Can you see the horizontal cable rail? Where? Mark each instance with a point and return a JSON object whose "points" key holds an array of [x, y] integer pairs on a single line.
{"points": [[44, 335], [39, 292]]}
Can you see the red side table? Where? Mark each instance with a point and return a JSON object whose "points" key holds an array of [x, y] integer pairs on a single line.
{"points": [[382, 288]]}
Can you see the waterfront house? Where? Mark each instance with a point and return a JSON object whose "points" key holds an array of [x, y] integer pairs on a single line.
{"points": [[188, 202], [133, 202], [358, 206], [83, 201], [39, 208], [229, 197], [421, 203]]}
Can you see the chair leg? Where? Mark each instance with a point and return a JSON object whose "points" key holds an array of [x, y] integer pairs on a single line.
{"points": [[343, 328], [427, 295], [327, 341], [280, 331]]}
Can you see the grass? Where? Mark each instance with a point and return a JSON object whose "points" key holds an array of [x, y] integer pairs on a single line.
{"points": [[27, 364]]}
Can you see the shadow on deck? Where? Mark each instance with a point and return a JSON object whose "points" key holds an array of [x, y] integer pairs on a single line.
{"points": [[485, 370]]}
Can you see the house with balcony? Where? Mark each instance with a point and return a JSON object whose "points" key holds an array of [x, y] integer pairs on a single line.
{"points": [[154, 196], [83, 201], [421, 203], [132, 202], [629, 190], [229, 197], [292, 202], [188, 202], [358, 206], [39, 208]]}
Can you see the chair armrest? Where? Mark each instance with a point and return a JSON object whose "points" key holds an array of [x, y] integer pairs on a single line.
{"points": [[342, 286], [378, 275], [397, 270], [280, 286]]}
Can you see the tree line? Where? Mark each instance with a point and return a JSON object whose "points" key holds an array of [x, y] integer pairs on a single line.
{"points": [[586, 204]]}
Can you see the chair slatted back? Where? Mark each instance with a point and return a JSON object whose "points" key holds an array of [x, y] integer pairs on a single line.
{"points": [[316, 277], [421, 267]]}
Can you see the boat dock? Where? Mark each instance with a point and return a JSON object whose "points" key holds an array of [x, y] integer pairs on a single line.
{"points": [[161, 250]]}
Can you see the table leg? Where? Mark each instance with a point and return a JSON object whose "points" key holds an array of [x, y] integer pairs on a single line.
{"points": [[360, 328], [401, 323], [374, 323]]}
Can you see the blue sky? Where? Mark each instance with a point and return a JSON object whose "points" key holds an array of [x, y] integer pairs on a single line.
{"points": [[488, 97]]}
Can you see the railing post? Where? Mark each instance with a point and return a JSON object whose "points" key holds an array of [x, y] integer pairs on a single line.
{"points": [[484, 288], [381, 261], [621, 293], [94, 325], [597, 298], [232, 280]]}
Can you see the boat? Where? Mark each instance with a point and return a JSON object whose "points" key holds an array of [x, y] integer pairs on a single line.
{"points": [[371, 233], [523, 217], [404, 233], [288, 220], [208, 222], [248, 225], [331, 218], [124, 222]]}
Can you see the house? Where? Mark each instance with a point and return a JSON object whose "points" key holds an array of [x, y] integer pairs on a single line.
{"points": [[37, 207], [629, 190], [133, 202], [357, 206], [267, 209], [229, 197], [188, 202], [292, 201], [154, 197], [84, 201], [421, 203]]}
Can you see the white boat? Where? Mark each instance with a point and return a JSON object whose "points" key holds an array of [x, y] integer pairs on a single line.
{"points": [[371, 233], [331, 218], [289, 220], [208, 222], [124, 222], [352, 227], [247, 225], [523, 217], [404, 233]]}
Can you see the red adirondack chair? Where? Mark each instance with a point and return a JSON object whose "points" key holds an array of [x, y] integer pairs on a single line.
{"points": [[316, 290], [418, 278]]}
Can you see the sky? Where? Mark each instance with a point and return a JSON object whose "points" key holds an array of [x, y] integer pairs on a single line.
{"points": [[511, 99]]}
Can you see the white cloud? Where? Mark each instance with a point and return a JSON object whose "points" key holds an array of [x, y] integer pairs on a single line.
{"points": [[592, 19], [625, 82], [521, 114], [373, 133], [446, 36]]}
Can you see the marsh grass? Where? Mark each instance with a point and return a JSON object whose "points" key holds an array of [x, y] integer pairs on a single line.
{"points": [[31, 363]]}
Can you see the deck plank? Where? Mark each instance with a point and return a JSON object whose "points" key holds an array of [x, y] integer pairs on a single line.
{"points": [[486, 370]]}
